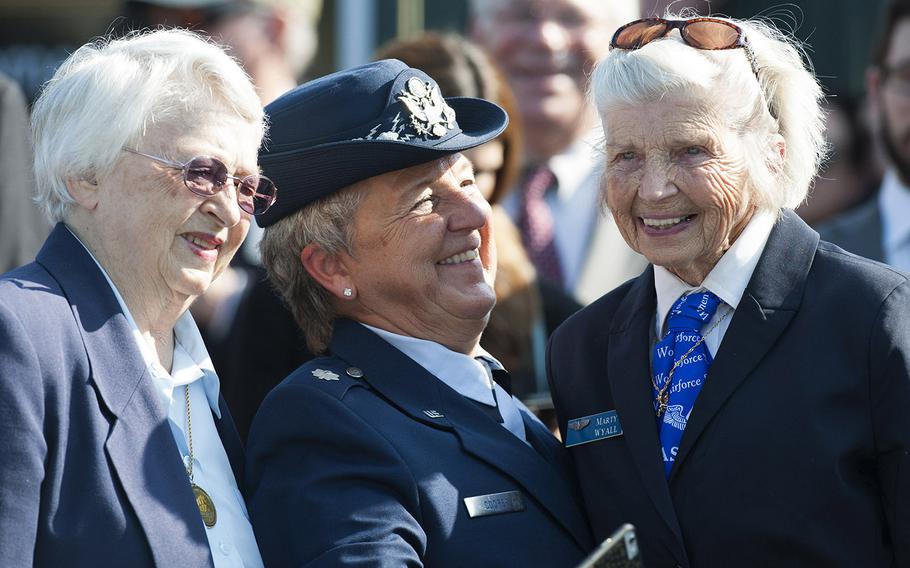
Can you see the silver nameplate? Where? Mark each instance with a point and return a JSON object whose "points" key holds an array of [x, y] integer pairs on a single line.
{"points": [[495, 504]]}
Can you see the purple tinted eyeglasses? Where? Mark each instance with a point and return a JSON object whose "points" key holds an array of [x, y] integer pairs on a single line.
{"points": [[206, 176]]}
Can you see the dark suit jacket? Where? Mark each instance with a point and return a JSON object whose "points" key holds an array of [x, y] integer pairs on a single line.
{"points": [[858, 230], [797, 452], [373, 471], [90, 474]]}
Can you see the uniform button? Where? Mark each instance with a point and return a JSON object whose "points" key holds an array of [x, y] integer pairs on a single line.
{"points": [[225, 548], [354, 373]]}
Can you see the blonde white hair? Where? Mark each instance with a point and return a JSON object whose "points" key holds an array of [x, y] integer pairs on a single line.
{"points": [[784, 99], [108, 92]]}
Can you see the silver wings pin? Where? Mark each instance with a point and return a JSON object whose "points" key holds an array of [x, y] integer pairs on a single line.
{"points": [[325, 375]]}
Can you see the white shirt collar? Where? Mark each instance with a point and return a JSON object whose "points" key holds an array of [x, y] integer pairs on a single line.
{"points": [[894, 202], [463, 373], [729, 277], [191, 358]]}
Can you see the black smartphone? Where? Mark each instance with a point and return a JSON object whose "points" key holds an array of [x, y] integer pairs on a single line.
{"points": [[618, 551]]}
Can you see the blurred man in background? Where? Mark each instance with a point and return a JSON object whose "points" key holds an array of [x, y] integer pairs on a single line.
{"points": [[547, 49], [880, 227], [275, 40]]}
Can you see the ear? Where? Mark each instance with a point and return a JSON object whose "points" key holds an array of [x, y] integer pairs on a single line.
{"points": [[276, 26], [328, 270], [85, 191], [777, 154]]}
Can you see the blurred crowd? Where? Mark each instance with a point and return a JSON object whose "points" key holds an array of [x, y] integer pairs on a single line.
{"points": [[558, 247]]}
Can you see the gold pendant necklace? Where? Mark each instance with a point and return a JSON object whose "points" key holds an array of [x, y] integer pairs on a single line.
{"points": [[203, 500], [663, 393]]}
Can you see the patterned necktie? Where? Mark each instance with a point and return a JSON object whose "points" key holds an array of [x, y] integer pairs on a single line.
{"points": [[683, 346], [535, 221]]}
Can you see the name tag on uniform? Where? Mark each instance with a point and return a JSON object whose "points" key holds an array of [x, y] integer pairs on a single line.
{"points": [[495, 504], [592, 428]]}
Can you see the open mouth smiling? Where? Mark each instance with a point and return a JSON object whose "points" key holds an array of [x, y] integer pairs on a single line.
{"points": [[665, 223], [465, 256]]}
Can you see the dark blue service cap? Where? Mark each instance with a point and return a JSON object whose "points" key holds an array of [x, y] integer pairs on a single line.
{"points": [[352, 125]]}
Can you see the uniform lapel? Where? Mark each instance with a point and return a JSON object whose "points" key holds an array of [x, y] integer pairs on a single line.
{"points": [[629, 372], [140, 444], [409, 387], [768, 305]]}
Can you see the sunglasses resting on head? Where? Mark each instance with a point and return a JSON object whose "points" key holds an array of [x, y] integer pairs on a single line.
{"points": [[206, 176], [700, 33]]}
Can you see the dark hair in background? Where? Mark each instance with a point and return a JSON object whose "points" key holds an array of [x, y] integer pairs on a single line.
{"points": [[462, 69], [198, 16], [892, 14]]}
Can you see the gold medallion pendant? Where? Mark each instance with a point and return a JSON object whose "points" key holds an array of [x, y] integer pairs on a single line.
{"points": [[206, 506]]}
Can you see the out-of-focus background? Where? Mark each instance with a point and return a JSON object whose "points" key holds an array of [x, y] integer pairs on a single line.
{"points": [[35, 34], [529, 56]]}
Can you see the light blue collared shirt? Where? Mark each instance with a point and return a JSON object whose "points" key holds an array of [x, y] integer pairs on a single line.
{"points": [[462, 373], [894, 203], [231, 540]]}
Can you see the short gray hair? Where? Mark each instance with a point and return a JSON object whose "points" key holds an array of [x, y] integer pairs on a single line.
{"points": [[786, 100], [108, 92], [328, 224]]}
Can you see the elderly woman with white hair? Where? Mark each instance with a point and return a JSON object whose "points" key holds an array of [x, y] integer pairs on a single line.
{"points": [[743, 401], [117, 448]]}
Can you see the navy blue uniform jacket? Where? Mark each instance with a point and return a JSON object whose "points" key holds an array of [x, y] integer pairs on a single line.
{"points": [[796, 453], [90, 474], [373, 471]]}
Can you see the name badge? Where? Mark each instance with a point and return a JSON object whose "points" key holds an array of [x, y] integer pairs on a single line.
{"points": [[593, 428], [495, 504]]}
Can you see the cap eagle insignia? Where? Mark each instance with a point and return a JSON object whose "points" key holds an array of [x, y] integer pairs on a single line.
{"points": [[429, 113]]}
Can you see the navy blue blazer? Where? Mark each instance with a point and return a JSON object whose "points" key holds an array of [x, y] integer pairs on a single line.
{"points": [[797, 452], [373, 470], [90, 474]]}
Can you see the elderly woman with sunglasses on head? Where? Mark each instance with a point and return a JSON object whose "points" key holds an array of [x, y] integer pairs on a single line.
{"points": [[117, 448], [744, 401]]}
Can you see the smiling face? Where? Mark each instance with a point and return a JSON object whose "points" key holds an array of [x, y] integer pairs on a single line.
{"points": [[153, 236], [547, 49], [676, 182], [423, 261]]}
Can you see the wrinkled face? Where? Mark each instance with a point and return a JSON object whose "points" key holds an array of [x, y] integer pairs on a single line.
{"points": [[894, 100], [154, 232], [547, 48], [675, 181], [423, 257]]}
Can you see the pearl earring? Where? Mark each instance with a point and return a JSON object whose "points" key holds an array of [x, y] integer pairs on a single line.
{"points": [[348, 292]]}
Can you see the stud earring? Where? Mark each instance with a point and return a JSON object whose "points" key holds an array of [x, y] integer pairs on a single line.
{"points": [[348, 292]]}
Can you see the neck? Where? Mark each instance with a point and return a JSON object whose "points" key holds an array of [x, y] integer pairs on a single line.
{"points": [[462, 336], [695, 272], [543, 140], [155, 308]]}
